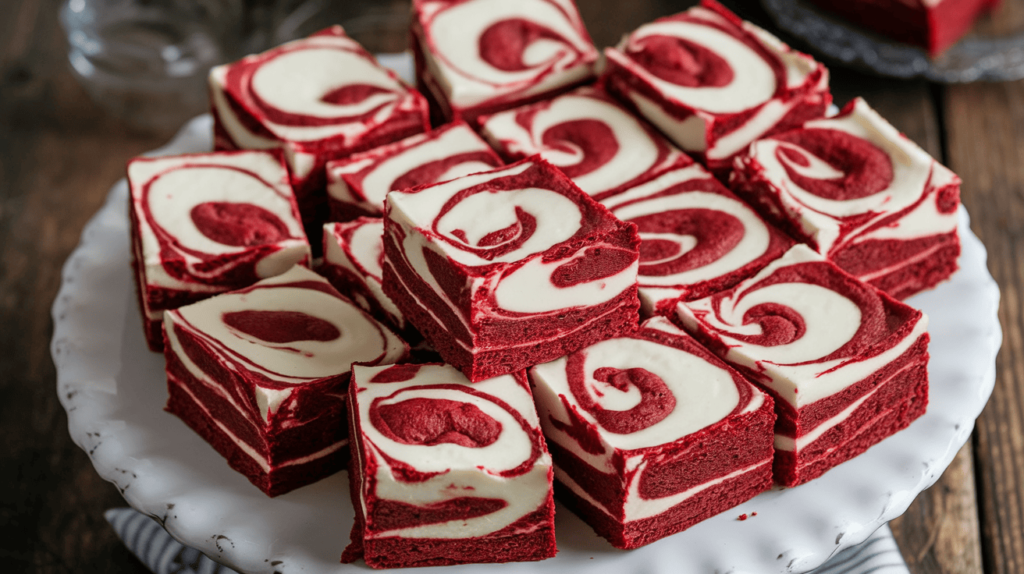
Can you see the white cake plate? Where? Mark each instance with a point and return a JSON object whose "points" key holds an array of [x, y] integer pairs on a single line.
{"points": [[114, 391]]}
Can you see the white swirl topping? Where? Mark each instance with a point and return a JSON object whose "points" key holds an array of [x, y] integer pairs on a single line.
{"points": [[636, 152], [644, 200], [367, 178], [799, 370], [560, 56], [753, 79], [914, 173], [168, 191], [484, 213], [704, 393], [358, 337]]}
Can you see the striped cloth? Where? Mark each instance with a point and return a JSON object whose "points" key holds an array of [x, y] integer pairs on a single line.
{"points": [[165, 555]]}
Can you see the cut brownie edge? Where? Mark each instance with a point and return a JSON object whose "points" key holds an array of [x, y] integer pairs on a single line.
{"points": [[728, 492], [617, 316], [242, 458], [789, 473], [891, 406], [926, 269]]}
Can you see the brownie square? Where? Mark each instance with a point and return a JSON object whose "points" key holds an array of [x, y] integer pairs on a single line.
{"points": [[319, 98], [862, 194], [846, 364], [931, 24], [651, 433], [446, 472], [476, 57], [714, 83], [358, 185], [208, 223], [261, 374], [587, 135], [505, 269], [696, 237]]}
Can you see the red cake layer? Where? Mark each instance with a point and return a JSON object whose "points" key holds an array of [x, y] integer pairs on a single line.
{"points": [[713, 83], [859, 192], [832, 351], [710, 502], [261, 373], [930, 261], [444, 472], [522, 285], [697, 440], [289, 469], [933, 26]]}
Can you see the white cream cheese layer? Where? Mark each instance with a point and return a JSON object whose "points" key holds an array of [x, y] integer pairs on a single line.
{"points": [[914, 173], [452, 49], [168, 189]]}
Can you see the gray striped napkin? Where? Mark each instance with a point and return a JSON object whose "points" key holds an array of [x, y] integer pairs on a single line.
{"points": [[165, 555]]}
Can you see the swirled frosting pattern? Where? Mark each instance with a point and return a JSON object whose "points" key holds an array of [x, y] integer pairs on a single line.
{"points": [[805, 328], [592, 139], [261, 374], [714, 83], [515, 225], [324, 87], [696, 237], [844, 182], [622, 405], [364, 180], [208, 223], [492, 54], [289, 330], [445, 459]]}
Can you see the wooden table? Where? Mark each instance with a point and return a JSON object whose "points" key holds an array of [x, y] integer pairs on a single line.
{"points": [[59, 154]]}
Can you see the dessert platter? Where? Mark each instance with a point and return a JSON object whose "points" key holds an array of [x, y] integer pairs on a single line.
{"points": [[977, 57], [602, 323]]}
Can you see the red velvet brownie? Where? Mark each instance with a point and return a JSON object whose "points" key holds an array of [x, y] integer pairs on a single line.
{"points": [[358, 185], [505, 269], [261, 374], [846, 364], [353, 254], [320, 98], [651, 433], [208, 223], [932, 24], [446, 472], [862, 194], [714, 83], [696, 237], [593, 140], [482, 56]]}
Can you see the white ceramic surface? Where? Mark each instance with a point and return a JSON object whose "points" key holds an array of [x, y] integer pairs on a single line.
{"points": [[114, 392]]}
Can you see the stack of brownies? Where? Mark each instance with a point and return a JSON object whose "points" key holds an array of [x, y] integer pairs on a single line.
{"points": [[535, 278]]}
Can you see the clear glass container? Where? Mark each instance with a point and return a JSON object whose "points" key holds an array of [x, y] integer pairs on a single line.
{"points": [[146, 61]]}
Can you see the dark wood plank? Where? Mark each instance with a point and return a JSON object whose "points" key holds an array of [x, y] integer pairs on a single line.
{"points": [[58, 156], [985, 124], [940, 531]]}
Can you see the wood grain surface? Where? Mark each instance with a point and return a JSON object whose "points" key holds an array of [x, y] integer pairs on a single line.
{"points": [[59, 154], [985, 145]]}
